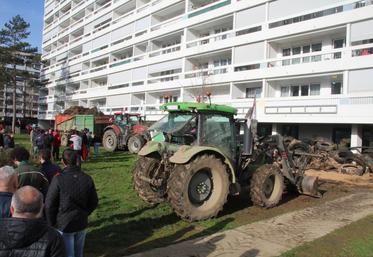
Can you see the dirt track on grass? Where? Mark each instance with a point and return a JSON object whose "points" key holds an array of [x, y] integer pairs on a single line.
{"points": [[276, 235]]}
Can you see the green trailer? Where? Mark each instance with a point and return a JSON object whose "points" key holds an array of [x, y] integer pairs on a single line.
{"points": [[67, 123]]}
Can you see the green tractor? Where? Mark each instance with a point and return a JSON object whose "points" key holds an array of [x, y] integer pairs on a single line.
{"points": [[199, 153]]}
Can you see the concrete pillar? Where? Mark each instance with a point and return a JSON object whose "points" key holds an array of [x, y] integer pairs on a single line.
{"points": [[345, 83], [275, 128], [264, 88], [356, 135]]}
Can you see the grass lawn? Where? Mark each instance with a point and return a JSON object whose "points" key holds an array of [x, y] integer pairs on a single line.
{"points": [[354, 240], [124, 224]]}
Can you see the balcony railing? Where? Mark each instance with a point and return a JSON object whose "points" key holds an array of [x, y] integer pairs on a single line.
{"points": [[210, 7], [312, 57], [205, 73]]}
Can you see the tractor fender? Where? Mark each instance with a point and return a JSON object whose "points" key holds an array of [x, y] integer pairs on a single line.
{"points": [[185, 153], [157, 147], [138, 129], [117, 129], [150, 147]]}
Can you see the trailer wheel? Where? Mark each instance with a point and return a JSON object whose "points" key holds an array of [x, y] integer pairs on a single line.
{"points": [[110, 141], [147, 167], [267, 186], [198, 190], [135, 143]]}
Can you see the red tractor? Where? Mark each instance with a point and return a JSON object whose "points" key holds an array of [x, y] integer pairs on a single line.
{"points": [[126, 131]]}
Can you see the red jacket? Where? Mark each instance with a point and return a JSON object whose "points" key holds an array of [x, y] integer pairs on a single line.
{"points": [[56, 139]]}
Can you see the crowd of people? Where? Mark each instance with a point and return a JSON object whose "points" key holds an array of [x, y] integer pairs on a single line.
{"points": [[44, 210], [45, 139], [79, 141]]}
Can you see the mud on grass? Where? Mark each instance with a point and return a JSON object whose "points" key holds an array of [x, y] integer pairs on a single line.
{"points": [[123, 224]]}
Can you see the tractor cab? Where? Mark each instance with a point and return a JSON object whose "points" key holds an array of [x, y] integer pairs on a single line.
{"points": [[126, 119], [197, 124]]}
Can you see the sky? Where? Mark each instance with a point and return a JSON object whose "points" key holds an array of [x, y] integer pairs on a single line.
{"points": [[31, 11]]}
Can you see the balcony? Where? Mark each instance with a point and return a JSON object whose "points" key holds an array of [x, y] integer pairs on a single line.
{"points": [[168, 16], [208, 65], [166, 44], [210, 32]]}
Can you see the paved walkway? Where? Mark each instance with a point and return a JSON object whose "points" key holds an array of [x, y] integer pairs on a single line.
{"points": [[274, 236]]}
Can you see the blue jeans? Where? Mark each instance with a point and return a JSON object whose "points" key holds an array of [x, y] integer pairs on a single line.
{"points": [[96, 147], [74, 243]]}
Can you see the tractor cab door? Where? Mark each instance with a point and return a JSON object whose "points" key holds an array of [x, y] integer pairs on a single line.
{"points": [[218, 130]]}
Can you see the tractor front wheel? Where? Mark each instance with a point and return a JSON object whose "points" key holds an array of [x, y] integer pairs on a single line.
{"points": [[149, 168], [199, 189], [135, 143], [110, 141], [267, 186]]}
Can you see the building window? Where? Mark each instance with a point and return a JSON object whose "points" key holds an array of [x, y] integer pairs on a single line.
{"points": [[284, 91], [294, 90], [336, 88], [315, 89], [304, 90], [253, 92]]}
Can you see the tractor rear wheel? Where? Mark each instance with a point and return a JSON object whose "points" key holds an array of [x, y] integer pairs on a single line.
{"points": [[267, 186], [199, 189], [146, 167], [110, 141], [135, 143]]}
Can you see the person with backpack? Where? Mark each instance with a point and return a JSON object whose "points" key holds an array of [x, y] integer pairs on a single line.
{"points": [[28, 175]]}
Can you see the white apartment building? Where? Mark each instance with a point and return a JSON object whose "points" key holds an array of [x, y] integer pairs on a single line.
{"points": [[309, 63]]}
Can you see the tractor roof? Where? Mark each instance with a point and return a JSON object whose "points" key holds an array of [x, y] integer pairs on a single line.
{"points": [[127, 113], [188, 106]]}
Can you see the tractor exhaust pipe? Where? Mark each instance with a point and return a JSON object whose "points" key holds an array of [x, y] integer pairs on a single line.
{"points": [[309, 185]]}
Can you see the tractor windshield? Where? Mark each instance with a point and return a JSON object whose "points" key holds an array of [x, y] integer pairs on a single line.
{"points": [[133, 119], [174, 122]]}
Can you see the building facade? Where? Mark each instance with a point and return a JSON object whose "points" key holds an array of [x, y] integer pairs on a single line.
{"points": [[308, 63], [27, 94]]}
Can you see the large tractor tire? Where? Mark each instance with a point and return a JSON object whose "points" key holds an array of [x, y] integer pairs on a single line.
{"points": [[146, 167], [267, 186], [135, 143], [199, 189], [110, 140], [64, 140]]}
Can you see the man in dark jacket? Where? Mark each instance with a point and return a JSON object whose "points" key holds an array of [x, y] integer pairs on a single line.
{"points": [[28, 175], [48, 168], [8, 185], [71, 198], [26, 234]]}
